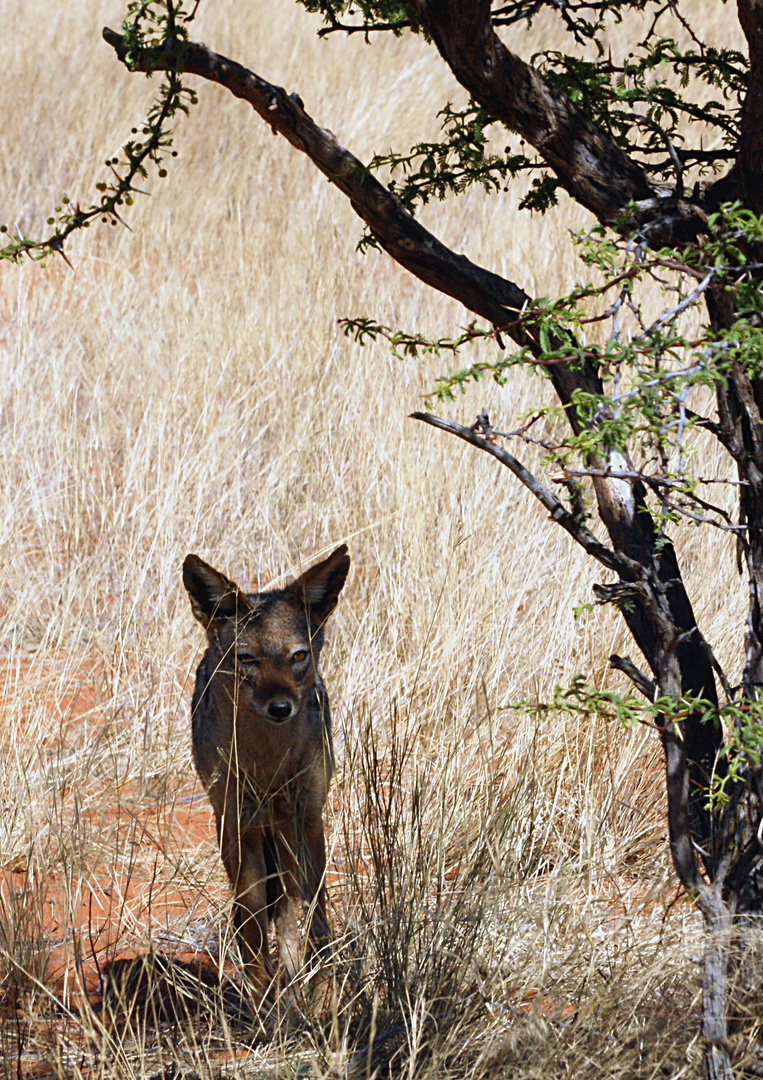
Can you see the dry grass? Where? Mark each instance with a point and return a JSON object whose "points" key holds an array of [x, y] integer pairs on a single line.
{"points": [[501, 889]]}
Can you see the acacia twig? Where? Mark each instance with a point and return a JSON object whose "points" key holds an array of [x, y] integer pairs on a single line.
{"points": [[571, 523]]}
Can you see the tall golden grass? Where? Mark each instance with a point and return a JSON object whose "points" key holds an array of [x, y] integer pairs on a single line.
{"points": [[501, 887]]}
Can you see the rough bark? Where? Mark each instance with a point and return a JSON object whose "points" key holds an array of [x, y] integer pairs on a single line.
{"points": [[739, 406], [584, 157], [718, 920], [750, 159]]}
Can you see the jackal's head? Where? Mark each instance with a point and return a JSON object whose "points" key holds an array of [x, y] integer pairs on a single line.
{"points": [[268, 642]]}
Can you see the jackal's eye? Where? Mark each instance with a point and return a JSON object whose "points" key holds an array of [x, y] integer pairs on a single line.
{"points": [[299, 656], [247, 660]]}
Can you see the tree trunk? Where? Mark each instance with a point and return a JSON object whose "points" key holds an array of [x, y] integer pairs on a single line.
{"points": [[718, 920]]}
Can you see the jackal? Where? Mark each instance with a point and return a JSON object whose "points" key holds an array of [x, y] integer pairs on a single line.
{"points": [[262, 748]]}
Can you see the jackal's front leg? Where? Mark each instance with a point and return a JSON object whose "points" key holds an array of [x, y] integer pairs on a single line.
{"points": [[289, 903], [244, 860], [314, 881]]}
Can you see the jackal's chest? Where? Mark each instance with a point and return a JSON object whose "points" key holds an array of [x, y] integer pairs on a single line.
{"points": [[272, 783], [274, 758]]}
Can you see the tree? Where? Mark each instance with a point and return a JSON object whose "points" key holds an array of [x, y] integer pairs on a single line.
{"points": [[615, 132]]}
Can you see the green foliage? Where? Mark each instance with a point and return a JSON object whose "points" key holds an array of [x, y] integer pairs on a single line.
{"points": [[451, 166], [405, 346], [581, 702], [612, 94], [642, 98], [742, 722], [393, 15], [651, 367], [147, 24], [541, 195]]}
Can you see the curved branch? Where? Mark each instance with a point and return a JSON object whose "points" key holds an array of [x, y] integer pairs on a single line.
{"points": [[402, 237], [396, 230], [571, 524], [642, 682]]}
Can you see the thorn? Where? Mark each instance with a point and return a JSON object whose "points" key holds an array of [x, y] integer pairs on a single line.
{"points": [[57, 244], [121, 220]]}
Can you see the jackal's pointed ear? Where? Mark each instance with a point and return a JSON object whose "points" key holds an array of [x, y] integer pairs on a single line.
{"points": [[213, 596], [319, 587]]}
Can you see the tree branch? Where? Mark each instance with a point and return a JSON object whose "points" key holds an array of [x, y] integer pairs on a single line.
{"points": [[589, 163], [402, 237], [641, 681], [750, 160], [397, 231], [361, 28], [569, 522]]}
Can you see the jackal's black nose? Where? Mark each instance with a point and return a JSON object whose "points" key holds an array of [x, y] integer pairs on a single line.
{"points": [[279, 710]]}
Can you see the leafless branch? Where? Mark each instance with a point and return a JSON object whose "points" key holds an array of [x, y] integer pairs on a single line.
{"points": [[641, 681], [361, 28], [659, 484], [569, 522], [688, 301], [653, 126]]}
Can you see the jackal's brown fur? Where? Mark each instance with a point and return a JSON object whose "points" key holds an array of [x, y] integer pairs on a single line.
{"points": [[262, 747]]}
